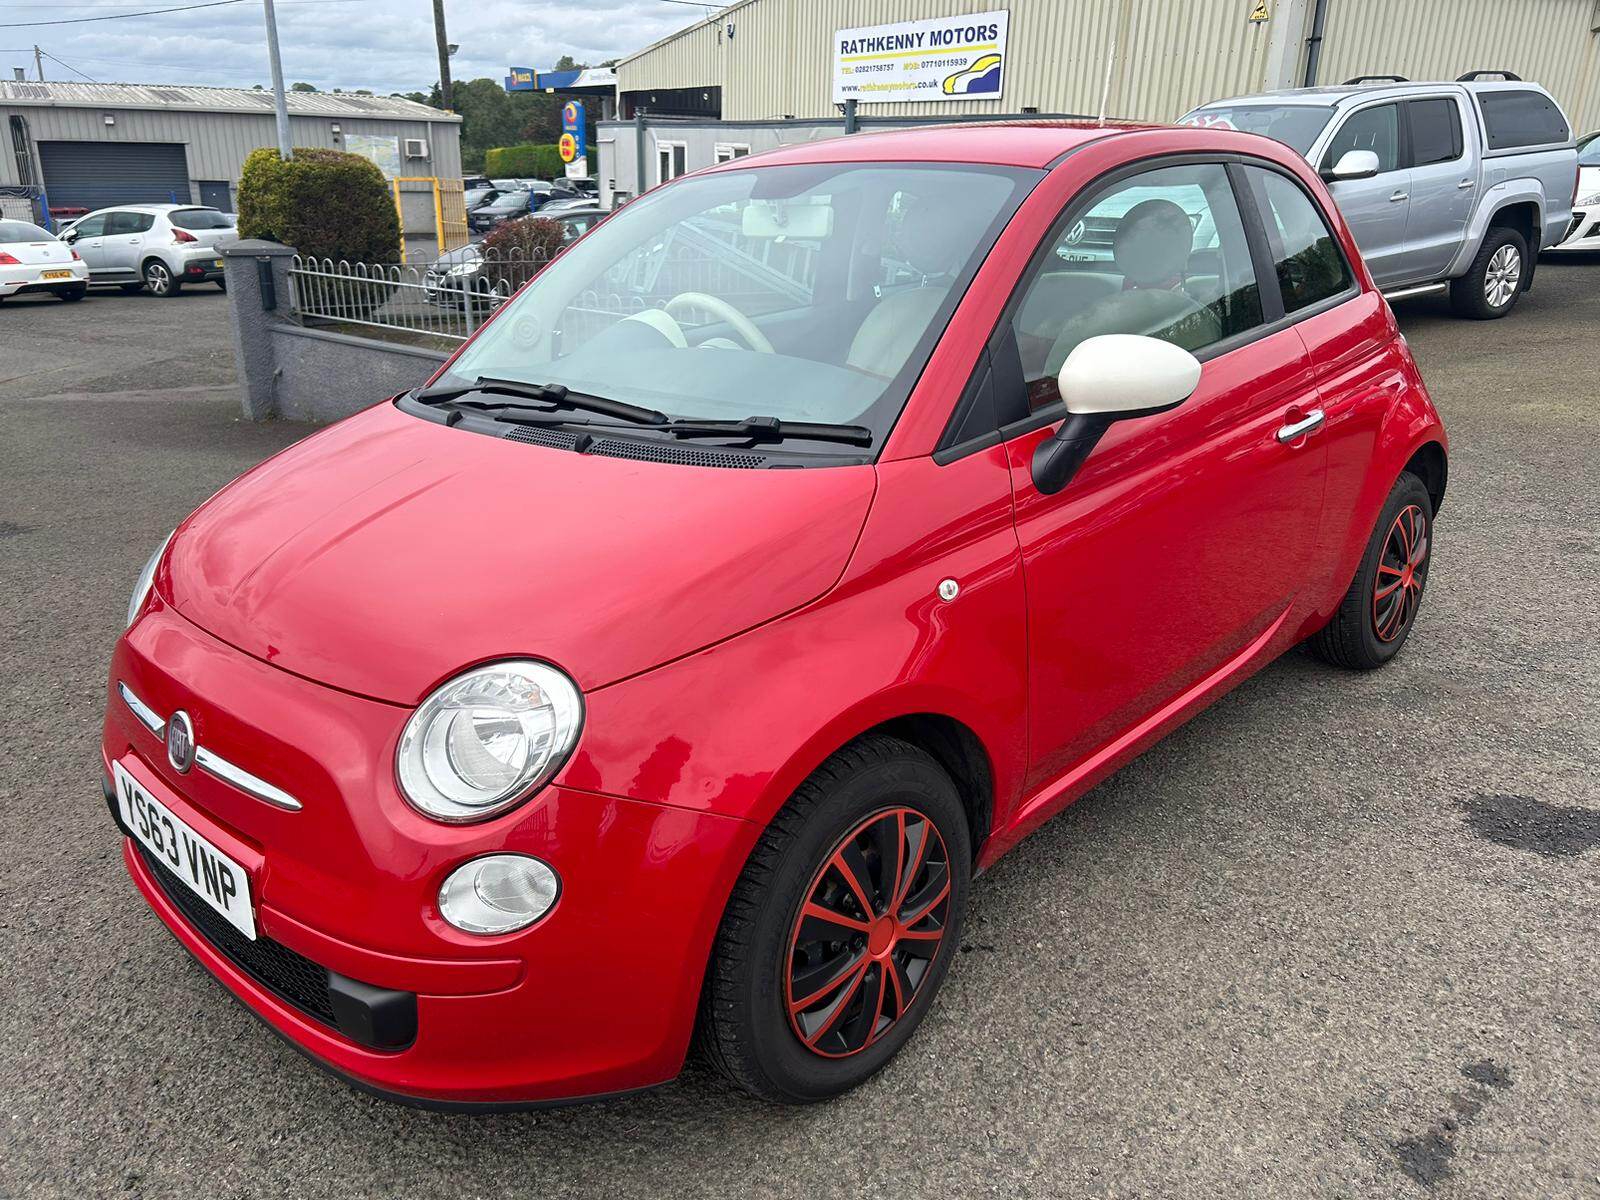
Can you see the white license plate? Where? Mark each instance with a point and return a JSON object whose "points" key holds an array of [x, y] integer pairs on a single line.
{"points": [[200, 866]]}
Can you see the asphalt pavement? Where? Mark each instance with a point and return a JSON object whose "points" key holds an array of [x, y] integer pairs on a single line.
{"points": [[1337, 937]]}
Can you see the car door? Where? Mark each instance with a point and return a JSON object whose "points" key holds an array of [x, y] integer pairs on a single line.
{"points": [[88, 239], [1374, 208], [124, 242], [1181, 545], [1443, 187]]}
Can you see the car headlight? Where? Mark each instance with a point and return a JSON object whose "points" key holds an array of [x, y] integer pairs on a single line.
{"points": [[146, 580], [488, 739], [1591, 199], [498, 894]]}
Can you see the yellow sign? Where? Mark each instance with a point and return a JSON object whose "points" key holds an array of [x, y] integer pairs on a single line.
{"points": [[1259, 12], [568, 145]]}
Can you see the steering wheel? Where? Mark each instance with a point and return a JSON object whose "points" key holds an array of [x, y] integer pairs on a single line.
{"points": [[742, 325]]}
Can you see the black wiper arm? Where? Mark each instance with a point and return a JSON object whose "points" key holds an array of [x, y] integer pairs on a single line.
{"points": [[771, 429], [552, 393]]}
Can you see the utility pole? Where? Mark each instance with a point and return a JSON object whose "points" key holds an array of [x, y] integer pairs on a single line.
{"points": [[279, 102], [444, 55], [38, 63]]}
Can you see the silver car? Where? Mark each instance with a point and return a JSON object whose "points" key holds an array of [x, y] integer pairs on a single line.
{"points": [[157, 248], [1446, 186]]}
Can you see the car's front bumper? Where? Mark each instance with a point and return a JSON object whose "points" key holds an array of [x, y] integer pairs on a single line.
{"points": [[598, 997], [1583, 234]]}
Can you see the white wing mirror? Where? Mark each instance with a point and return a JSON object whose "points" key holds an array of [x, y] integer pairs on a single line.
{"points": [[1110, 378], [1353, 164]]}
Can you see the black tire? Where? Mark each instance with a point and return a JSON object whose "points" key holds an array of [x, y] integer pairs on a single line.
{"points": [[74, 295], [1366, 632], [222, 285], [745, 1028], [130, 289], [159, 280], [1471, 294]]}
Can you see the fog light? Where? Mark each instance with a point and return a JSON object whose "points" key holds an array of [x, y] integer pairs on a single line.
{"points": [[498, 894]]}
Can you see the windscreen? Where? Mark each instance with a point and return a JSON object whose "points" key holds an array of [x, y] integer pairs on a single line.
{"points": [[200, 218], [1295, 125], [807, 293], [22, 231], [1589, 151]]}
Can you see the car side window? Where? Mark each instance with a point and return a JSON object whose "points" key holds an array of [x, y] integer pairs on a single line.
{"points": [[128, 222], [1162, 253], [1310, 265], [1435, 131], [91, 227], [1376, 129]]}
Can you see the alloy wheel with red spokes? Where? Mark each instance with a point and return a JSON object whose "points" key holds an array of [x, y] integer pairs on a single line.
{"points": [[1402, 574], [868, 931]]}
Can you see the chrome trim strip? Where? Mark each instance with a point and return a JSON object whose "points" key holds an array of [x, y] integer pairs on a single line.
{"points": [[247, 783], [212, 764], [145, 714]]}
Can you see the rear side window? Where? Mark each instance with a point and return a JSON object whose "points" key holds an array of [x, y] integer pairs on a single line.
{"points": [[1521, 118], [199, 218], [1310, 265], [1376, 129], [1435, 131], [1162, 253]]}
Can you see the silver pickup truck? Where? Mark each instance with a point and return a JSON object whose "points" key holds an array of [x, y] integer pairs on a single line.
{"points": [[1445, 185]]}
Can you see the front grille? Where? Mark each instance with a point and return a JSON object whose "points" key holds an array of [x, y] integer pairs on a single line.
{"points": [[289, 976]]}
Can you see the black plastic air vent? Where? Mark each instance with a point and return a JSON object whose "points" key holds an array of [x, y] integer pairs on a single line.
{"points": [[666, 452]]}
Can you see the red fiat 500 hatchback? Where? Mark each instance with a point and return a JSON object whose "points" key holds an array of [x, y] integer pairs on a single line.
{"points": [[791, 547]]}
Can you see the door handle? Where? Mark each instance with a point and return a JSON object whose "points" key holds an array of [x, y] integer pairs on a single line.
{"points": [[1466, 183], [1397, 197], [1309, 423]]}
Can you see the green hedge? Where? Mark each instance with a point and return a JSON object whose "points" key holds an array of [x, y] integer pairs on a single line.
{"points": [[324, 203], [524, 162]]}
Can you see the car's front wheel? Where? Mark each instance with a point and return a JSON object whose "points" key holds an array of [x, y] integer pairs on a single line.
{"points": [[842, 926], [1375, 617], [158, 279]]}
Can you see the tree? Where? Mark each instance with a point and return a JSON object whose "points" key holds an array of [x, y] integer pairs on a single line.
{"points": [[301, 87], [567, 63]]}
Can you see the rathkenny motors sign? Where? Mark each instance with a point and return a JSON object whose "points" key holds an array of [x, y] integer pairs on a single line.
{"points": [[948, 58]]}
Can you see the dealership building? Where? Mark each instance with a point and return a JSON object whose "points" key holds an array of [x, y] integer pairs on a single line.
{"points": [[760, 73], [89, 145]]}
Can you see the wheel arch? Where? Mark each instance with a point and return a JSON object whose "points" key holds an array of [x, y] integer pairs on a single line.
{"points": [[1432, 466]]}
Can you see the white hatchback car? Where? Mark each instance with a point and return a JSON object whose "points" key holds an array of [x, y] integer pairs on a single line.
{"points": [[1585, 231], [33, 260], [157, 247]]}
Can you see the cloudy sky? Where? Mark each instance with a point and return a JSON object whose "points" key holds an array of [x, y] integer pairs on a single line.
{"points": [[384, 45]]}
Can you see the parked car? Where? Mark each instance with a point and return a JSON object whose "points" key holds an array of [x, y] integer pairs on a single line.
{"points": [[1585, 230], [505, 207], [565, 203], [567, 185], [154, 247], [1452, 186], [34, 260], [469, 182], [456, 276], [899, 532], [476, 198]]}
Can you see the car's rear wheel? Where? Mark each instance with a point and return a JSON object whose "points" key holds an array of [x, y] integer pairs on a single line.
{"points": [[1375, 617], [158, 279], [842, 926], [72, 295], [1496, 278]]}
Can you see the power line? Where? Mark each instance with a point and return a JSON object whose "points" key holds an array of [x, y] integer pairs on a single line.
{"points": [[149, 12], [68, 66]]}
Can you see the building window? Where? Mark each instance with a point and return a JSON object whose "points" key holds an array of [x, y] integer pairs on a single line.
{"points": [[23, 147], [672, 160], [728, 151]]}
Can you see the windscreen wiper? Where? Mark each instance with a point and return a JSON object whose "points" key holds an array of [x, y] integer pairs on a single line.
{"points": [[771, 429], [555, 394]]}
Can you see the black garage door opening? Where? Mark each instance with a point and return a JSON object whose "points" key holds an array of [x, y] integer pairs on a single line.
{"points": [[99, 174]]}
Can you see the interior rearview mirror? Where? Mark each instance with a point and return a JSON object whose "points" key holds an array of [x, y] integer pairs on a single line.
{"points": [[1352, 164], [1110, 378], [774, 218]]}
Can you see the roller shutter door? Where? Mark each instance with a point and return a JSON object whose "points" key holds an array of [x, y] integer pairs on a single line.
{"points": [[99, 174]]}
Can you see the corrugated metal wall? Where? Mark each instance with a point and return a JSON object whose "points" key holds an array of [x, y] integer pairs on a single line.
{"points": [[1176, 54], [1551, 41], [218, 143], [1173, 54]]}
